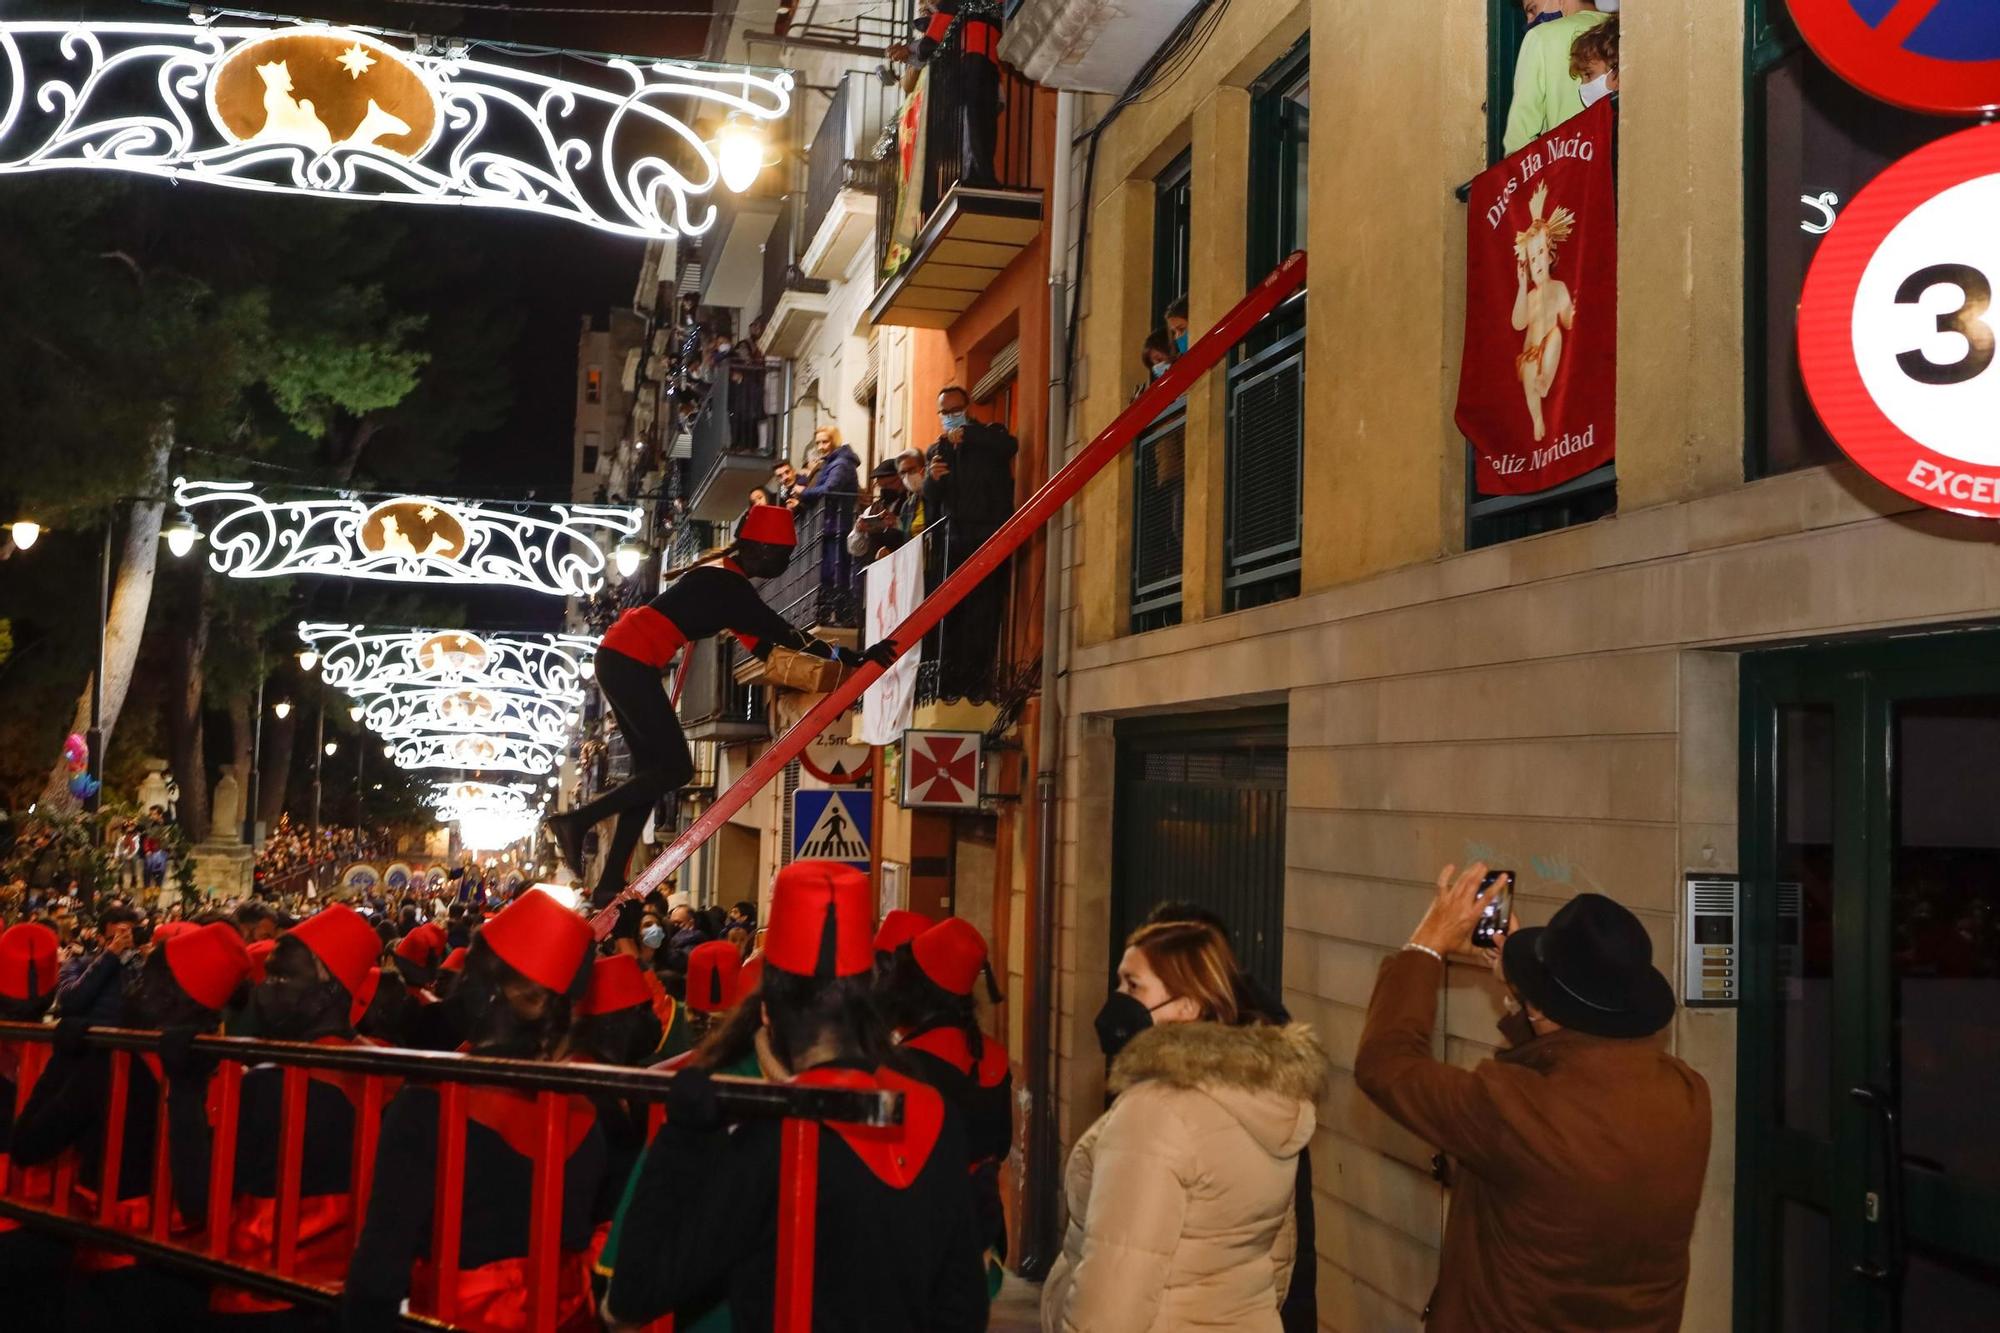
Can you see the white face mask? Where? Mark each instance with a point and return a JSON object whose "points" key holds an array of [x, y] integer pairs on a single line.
{"points": [[1607, 6], [1597, 89]]}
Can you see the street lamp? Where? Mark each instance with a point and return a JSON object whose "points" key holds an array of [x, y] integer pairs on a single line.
{"points": [[283, 708], [26, 532], [740, 152], [354, 713], [628, 555], [181, 533], [588, 668], [332, 748], [308, 659]]}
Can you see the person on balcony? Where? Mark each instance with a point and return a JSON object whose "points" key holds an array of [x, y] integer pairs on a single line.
{"points": [[835, 469], [959, 42], [969, 487], [895, 1248], [1545, 92], [706, 600], [879, 527], [527, 967]]}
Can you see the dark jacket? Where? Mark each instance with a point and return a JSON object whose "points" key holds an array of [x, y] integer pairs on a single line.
{"points": [[97, 996], [1579, 1166], [977, 495], [701, 1221], [839, 473]]}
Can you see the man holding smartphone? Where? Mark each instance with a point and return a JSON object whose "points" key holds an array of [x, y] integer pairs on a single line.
{"points": [[1579, 1148]]}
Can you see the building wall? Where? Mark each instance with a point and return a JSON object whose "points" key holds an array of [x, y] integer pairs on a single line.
{"points": [[1563, 705]]}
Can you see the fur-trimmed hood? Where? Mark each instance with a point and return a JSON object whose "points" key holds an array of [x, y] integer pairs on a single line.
{"points": [[1270, 1078]]}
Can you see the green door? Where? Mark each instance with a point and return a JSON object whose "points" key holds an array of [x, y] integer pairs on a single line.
{"points": [[1868, 1113]]}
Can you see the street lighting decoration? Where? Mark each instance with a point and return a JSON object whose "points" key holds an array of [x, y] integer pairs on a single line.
{"points": [[498, 754], [367, 662], [25, 532], [308, 659], [414, 709], [354, 712], [628, 556], [283, 708], [557, 549], [316, 109], [332, 748]]}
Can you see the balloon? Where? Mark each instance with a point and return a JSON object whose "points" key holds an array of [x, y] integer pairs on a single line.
{"points": [[83, 786], [76, 750]]}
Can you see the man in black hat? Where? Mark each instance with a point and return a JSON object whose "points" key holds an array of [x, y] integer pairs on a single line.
{"points": [[1580, 1148], [878, 524]]}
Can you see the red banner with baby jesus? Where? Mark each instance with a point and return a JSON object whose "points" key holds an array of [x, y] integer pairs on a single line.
{"points": [[1539, 380]]}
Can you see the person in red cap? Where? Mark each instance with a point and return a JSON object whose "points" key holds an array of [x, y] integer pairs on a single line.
{"points": [[710, 598], [418, 954], [381, 1008], [928, 1000], [525, 970], [714, 971], [181, 990], [899, 926], [311, 978], [449, 972], [896, 1250]]}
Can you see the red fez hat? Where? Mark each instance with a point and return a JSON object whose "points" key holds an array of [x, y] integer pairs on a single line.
{"points": [[422, 946], [819, 918], [341, 938], [616, 984], [750, 975], [209, 963], [364, 995], [173, 929], [713, 970], [260, 954], [951, 953], [771, 524], [27, 961], [455, 960], [898, 928], [542, 940]]}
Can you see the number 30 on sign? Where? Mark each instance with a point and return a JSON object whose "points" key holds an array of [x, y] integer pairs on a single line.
{"points": [[1897, 325]]}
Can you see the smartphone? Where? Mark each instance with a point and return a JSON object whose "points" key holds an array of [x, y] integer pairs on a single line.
{"points": [[1498, 890]]}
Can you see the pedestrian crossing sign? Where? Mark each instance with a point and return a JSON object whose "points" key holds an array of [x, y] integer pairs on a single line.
{"points": [[832, 826]]}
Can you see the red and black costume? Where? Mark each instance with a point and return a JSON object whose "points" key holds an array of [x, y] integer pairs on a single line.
{"points": [[894, 1246], [550, 946], [29, 1260], [960, 41], [706, 601]]}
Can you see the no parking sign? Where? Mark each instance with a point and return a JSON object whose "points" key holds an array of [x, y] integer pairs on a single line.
{"points": [[1941, 56], [1897, 326]]}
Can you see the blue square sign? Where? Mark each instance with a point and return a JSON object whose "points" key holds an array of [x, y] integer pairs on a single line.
{"points": [[832, 825]]}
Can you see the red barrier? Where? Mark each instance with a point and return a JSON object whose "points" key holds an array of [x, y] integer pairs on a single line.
{"points": [[1050, 497], [154, 1230]]}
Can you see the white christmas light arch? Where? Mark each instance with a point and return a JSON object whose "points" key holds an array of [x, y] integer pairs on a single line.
{"points": [[469, 710], [365, 663], [439, 125], [558, 549], [496, 754]]}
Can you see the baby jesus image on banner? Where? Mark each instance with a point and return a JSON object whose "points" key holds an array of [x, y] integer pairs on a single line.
{"points": [[1538, 382]]}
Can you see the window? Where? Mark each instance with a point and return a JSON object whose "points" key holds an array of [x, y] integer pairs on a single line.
{"points": [[1811, 142], [1264, 479], [593, 385], [1172, 210], [591, 446], [1504, 518]]}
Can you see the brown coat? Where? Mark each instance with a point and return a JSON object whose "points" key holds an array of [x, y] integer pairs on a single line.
{"points": [[1579, 1163], [1180, 1196]]}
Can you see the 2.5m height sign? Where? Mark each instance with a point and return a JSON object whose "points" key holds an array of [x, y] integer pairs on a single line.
{"points": [[1897, 328]]}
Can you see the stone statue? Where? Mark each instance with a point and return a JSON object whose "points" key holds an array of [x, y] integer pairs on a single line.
{"points": [[153, 789], [228, 808]]}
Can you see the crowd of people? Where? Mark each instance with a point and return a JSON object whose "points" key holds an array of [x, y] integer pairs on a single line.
{"points": [[289, 850], [1576, 1157]]}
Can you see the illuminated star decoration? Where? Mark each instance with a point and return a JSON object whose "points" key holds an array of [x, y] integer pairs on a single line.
{"points": [[356, 61]]}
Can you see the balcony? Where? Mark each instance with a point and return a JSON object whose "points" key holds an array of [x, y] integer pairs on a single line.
{"points": [[820, 591], [737, 437], [732, 250], [793, 304], [1159, 481], [843, 168], [714, 705], [973, 668], [1090, 46], [942, 240]]}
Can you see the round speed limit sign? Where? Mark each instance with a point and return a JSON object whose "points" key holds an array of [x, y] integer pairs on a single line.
{"points": [[1898, 326]]}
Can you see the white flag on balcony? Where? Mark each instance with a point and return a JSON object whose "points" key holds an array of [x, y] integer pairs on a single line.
{"points": [[895, 586]]}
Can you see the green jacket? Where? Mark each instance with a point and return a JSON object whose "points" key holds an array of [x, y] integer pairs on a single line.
{"points": [[1544, 93]]}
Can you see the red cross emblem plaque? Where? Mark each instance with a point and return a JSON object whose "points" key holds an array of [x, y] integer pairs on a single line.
{"points": [[941, 770]]}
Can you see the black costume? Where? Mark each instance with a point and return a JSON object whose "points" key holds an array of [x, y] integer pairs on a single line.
{"points": [[894, 1244], [501, 1141], [706, 601], [972, 500], [965, 85], [981, 1089]]}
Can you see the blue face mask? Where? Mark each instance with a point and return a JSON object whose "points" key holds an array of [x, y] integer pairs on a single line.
{"points": [[953, 420], [1539, 19], [1180, 343], [652, 937], [1159, 369]]}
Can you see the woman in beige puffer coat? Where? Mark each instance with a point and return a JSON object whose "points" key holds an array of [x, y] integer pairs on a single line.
{"points": [[1180, 1196]]}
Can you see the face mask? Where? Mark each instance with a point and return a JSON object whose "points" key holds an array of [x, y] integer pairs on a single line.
{"points": [[1539, 19], [1159, 369], [1597, 89], [1180, 343], [1121, 1019], [652, 937], [952, 420]]}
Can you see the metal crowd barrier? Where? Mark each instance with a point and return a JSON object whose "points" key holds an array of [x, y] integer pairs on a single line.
{"points": [[46, 1197]]}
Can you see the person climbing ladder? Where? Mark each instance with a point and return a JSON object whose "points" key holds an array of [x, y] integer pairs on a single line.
{"points": [[708, 599]]}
